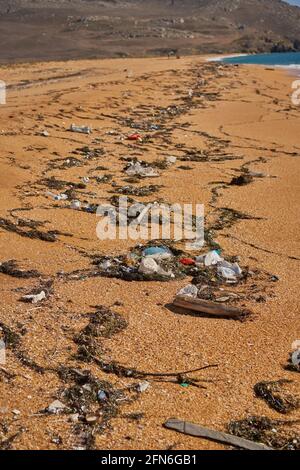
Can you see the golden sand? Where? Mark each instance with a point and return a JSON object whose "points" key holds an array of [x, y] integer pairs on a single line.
{"points": [[253, 112]]}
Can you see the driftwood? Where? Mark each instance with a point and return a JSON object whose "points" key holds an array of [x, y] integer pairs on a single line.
{"points": [[209, 307], [200, 431]]}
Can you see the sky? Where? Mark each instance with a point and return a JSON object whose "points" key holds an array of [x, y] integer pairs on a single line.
{"points": [[294, 2]]}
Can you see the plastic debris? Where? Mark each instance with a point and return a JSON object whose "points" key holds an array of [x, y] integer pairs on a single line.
{"points": [[210, 259], [157, 252], [171, 160], [135, 136], [187, 261], [148, 266], [102, 395], [56, 407], [189, 290], [57, 197], [75, 204], [142, 386], [137, 169], [296, 358], [229, 271], [45, 133], [91, 419], [80, 129], [105, 265], [34, 299]]}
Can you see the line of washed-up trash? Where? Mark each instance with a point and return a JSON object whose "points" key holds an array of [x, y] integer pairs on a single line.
{"points": [[214, 278]]}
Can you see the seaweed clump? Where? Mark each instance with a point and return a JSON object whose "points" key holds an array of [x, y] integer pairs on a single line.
{"points": [[11, 268], [104, 323], [92, 401], [281, 435], [276, 396]]}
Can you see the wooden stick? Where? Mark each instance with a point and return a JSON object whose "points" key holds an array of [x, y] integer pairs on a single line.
{"points": [[209, 307], [199, 431]]}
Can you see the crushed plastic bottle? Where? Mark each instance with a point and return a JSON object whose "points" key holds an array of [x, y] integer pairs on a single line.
{"points": [[57, 197], [80, 129]]}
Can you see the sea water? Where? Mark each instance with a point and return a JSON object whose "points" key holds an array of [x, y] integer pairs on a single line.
{"points": [[277, 59]]}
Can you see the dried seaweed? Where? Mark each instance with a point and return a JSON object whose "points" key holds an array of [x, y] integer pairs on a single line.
{"points": [[90, 397], [104, 323], [10, 268], [241, 180], [276, 396], [228, 217], [281, 435], [142, 191], [9, 226], [13, 341]]}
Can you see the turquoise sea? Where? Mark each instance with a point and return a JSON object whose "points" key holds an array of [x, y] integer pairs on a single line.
{"points": [[283, 59]]}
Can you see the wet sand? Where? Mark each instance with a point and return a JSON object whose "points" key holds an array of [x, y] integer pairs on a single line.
{"points": [[238, 117]]}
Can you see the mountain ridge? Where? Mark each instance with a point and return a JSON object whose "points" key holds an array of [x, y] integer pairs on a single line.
{"points": [[66, 29]]}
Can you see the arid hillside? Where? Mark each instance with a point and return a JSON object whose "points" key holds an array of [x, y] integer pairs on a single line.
{"points": [[66, 29]]}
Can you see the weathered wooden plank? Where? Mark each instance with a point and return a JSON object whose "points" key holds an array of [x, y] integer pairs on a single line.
{"points": [[200, 431], [208, 307]]}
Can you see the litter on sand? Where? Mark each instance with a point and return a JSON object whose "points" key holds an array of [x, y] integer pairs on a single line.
{"points": [[34, 299], [157, 252], [80, 129], [296, 358], [56, 407], [135, 137], [137, 169], [188, 291]]}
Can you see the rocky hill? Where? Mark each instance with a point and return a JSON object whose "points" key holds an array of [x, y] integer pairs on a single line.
{"points": [[62, 29]]}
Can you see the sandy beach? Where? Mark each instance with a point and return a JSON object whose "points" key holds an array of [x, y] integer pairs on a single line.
{"points": [[235, 120]]}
